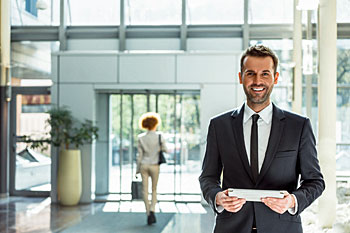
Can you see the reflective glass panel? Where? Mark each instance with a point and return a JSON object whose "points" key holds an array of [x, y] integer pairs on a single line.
{"points": [[33, 166], [181, 129], [35, 12], [215, 12], [31, 63], [343, 108], [90, 12], [343, 9], [153, 12], [272, 11]]}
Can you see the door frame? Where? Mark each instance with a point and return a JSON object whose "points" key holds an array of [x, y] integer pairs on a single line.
{"points": [[148, 93], [35, 90]]}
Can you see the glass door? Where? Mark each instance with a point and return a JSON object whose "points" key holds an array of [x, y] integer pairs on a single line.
{"points": [[30, 169], [180, 126]]}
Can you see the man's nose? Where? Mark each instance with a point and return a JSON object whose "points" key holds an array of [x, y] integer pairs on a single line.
{"points": [[257, 80]]}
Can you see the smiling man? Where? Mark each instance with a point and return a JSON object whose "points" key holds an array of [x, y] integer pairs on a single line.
{"points": [[261, 147]]}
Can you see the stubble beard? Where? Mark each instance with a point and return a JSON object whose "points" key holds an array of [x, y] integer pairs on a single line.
{"points": [[258, 99]]}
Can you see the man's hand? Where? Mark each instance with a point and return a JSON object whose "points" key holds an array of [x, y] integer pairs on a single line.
{"points": [[280, 205], [231, 204]]}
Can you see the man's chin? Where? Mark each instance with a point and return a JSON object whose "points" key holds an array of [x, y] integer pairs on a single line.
{"points": [[258, 100]]}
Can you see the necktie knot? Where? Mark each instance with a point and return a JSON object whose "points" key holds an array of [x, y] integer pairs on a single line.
{"points": [[255, 118]]}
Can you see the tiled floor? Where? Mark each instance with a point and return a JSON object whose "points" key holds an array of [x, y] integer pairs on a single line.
{"points": [[19, 214]]}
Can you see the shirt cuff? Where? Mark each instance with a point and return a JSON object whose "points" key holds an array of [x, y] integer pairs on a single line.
{"points": [[218, 208], [294, 210]]}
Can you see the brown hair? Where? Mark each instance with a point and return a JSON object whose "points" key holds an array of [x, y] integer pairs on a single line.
{"points": [[149, 120], [260, 51]]}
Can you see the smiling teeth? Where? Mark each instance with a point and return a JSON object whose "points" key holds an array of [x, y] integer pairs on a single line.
{"points": [[258, 89]]}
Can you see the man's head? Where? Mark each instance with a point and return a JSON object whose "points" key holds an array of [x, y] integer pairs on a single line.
{"points": [[258, 75], [260, 51]]}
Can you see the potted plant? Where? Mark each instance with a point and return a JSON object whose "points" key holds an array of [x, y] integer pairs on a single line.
{"points": [[68, 134]]}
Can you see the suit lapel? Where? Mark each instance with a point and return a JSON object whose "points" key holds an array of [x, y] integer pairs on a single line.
{"points": [[274, 139], [237, 127]]}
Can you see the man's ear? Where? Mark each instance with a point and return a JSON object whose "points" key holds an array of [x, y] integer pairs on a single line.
{"points": [[276, 78], [240, 77]]}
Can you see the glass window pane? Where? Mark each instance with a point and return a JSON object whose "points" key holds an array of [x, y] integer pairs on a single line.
{"points": [[189, 142], [343, 114], [28, 12], [32, 61], [215, 12], [102, 12], [343, 64], [343, 9], [115, 174], [272, 11], [33, 166], [153, 12], [343, 159]]}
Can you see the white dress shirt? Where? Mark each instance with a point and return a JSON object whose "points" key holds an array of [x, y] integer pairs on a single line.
{"points": [[264, 129]]}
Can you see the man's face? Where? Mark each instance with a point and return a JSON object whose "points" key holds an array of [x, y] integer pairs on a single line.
{"points": [[258, 79]]}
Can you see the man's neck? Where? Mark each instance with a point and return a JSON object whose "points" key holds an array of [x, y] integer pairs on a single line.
{"points": [[258, 107]]}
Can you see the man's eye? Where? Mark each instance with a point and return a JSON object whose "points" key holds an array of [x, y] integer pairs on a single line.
{"points": [[250, 73], [266, 74]]}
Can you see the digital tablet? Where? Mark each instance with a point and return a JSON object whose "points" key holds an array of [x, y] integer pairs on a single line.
{"points": [[255, 194]]}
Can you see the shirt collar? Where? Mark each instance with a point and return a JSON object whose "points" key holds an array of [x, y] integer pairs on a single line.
{"points": [[265, 114]]}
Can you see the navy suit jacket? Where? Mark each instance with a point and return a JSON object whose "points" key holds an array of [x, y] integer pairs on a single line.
{"points": [[291, 155]]}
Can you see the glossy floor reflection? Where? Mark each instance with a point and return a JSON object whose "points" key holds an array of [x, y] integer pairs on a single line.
{"points": [[20, 214], [23, 214]]}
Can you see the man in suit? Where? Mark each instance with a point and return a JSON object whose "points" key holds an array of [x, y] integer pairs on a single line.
{"points": [[260, 146]]}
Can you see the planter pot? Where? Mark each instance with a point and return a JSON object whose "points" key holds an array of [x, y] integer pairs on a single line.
{"points": [[69, 177]]}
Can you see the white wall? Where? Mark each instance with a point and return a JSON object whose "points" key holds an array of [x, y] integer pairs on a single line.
{"points": [[214, 44], [92, 44], [153, 44], [80, 75]]}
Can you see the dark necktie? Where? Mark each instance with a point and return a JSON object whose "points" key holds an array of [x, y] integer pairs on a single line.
{"points": [[254, 147]]}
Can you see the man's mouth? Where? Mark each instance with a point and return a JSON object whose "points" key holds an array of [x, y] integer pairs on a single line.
{"points": [[258, 89]]}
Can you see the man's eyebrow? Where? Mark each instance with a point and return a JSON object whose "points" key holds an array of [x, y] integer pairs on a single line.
{"points": [[267, 71], [249, 71]]}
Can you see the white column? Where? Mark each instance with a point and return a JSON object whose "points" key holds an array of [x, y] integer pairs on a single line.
{"points": [[327, 93], [297, 59], [5, 41]]}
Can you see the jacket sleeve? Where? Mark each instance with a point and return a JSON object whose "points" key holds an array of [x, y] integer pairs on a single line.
{"points": [[211, 169], [311, 179]]}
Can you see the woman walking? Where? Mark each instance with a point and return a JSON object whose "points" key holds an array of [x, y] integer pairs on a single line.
{"points": [[150, 144]]}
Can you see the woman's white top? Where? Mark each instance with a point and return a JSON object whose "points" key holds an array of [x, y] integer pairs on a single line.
{"points": [[148, 147]]}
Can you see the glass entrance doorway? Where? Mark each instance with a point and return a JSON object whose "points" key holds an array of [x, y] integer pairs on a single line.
{"points": [[30, 169], [179, 111]]}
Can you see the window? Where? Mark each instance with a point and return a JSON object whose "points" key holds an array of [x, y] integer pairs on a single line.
{"points": [[273, 11], [343, 8], [343, 106], [25, 13], [215, 12], [32, 63], [91, 12], [180, 126], [31, 7], [153, 12]]}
